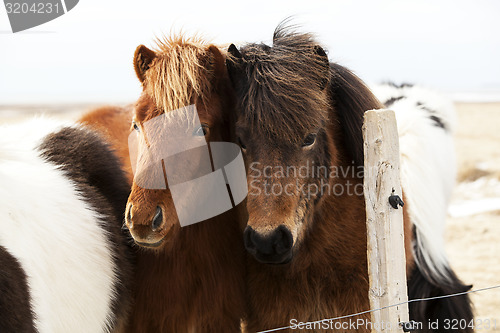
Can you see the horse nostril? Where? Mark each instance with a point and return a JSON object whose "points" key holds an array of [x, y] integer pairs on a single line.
{"points": [[157, 219], [248, 239], [128, 217], [283, 240]]}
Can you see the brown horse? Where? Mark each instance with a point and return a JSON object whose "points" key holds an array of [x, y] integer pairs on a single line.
{"points": [[299, 125], [113, 123], [187, 278]]}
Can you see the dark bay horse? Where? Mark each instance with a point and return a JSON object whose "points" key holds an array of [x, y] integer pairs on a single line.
{"points": [[187, 278], [300, 127]]}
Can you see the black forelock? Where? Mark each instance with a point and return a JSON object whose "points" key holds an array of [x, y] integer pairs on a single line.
{"points": [[280, 90]]}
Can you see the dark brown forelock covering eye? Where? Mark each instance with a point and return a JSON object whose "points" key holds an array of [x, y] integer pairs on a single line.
{"points": [[283, 96]]}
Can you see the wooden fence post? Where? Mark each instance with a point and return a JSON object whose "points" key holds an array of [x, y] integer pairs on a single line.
{"points": [[385, 235]]}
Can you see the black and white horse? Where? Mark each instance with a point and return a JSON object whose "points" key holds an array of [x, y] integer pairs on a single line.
{"points": [[64, 261]]}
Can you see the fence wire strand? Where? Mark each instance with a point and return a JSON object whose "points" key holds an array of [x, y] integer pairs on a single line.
{"points": [[385, 307]]}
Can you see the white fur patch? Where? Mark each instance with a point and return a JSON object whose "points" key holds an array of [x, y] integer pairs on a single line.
{"points": [[428, 167], [54, 235]]}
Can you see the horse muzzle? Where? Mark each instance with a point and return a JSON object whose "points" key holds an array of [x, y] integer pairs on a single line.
{"points": [[147, 231], [274, 247]]}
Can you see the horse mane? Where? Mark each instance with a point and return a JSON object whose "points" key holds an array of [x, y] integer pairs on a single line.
{"points": [[181, 71], [351, 98], [283, 92]]}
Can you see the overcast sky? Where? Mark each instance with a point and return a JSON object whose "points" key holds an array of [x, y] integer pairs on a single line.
{"points": [[86, 55]]}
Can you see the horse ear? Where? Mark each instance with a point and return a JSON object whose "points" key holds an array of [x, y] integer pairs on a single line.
{"points": [[323, 57], [233, 50], [218, 60], [143, 57], [234, 63]]}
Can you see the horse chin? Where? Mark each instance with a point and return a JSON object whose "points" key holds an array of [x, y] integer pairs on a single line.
{"points": [[274, 260], [155, 245]]}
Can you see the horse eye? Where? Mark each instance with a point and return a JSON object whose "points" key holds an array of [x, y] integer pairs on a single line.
{"points": [[201, 131], [136, 127], [242, 145], [309, 140]]}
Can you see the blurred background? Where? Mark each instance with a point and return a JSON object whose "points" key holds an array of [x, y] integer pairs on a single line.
{"points": [[84, 59], [86, 55]]}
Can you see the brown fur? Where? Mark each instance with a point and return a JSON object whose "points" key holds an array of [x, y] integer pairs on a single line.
{"points": [[114, 124], [327, 275], [194, 280]]}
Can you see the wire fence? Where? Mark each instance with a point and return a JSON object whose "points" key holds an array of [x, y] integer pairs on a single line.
{"points": [[385, 307]]}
